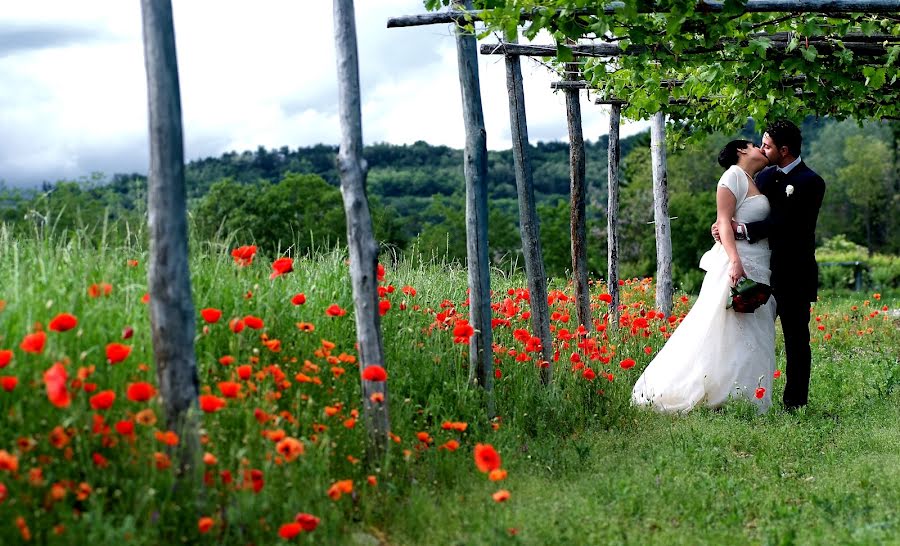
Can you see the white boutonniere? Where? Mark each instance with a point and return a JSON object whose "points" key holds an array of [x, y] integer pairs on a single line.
{"points": [[788, 190]]}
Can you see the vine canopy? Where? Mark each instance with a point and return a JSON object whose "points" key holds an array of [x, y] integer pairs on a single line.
{"points": [[722, 63]]}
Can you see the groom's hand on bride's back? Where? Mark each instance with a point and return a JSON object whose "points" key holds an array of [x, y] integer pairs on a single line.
{"points": [[715, 232]]}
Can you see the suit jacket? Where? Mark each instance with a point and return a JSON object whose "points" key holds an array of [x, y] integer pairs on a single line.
{"points": [[791, 229]]}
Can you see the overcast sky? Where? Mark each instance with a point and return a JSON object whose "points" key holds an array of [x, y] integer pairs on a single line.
{"points": [[73, 90]]}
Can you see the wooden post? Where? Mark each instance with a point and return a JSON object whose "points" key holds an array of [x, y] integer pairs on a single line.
{"points": [[481, 359], [528, 221], [612, 214], [578, 193], [664, 289], [360, 237], [169, 281]]}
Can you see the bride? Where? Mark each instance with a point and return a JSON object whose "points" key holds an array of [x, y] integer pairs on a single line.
{"points": [[718, 354]]}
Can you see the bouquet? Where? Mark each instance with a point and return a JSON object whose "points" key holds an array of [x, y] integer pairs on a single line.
{"points": [[748, 295]]}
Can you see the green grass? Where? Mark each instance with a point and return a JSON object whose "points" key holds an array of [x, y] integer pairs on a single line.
{"points": [[584, 467]]}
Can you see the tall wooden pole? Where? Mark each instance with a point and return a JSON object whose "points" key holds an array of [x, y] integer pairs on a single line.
{"points": [[171, 305], [664, 289], [481, 359], [578, 192], [612, 214], [360, 237], [528, 221]]}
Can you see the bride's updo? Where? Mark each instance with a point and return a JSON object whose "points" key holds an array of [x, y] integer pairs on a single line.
{"points": [[729, 154]]}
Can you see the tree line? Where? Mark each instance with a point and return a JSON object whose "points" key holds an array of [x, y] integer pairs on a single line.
{"points": [[284, 198]]}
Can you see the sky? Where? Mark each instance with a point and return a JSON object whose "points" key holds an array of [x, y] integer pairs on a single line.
{"points": [[73, 97]]}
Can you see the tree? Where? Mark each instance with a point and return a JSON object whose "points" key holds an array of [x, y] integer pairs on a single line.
{"points": [[868, 177]]}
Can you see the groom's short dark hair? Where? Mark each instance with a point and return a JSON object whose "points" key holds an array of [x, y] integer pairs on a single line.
{"points": [[729, 154], [785, 133]]}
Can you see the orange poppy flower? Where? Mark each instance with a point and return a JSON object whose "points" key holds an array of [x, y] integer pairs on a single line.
{"points": [[377, 397], [281, 266], [290, 448], [161, 460], [374, 373], [501, 496], [211, 315], [5, 357], [63, 322], [211, 403], [306, 326], [168, 437], [339, 488], [103, 400], [140, 391], [55, 380], [496, 475], [58, 437], [146, 417], [116, 352], [449, 445], [8, 462], [486, 457], [205, 524], [34, 343]]}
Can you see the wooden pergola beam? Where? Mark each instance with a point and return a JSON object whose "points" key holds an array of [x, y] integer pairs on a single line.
{"points": [[567, 85], [752, 6]]}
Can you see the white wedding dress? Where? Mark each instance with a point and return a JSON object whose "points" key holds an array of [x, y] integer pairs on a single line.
{"points": [[718, 354]]}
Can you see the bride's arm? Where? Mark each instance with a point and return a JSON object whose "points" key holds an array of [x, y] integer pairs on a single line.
{"points": [[725, 205]]}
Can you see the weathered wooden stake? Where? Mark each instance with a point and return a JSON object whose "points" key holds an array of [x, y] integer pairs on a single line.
{"points": [[169, 281], [578, 191], [528, 221], [481, 359], [664, 289], [360, 237], [612, 214]]}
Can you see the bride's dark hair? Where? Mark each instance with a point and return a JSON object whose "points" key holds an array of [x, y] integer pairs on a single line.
{"points": [[729, 154]]}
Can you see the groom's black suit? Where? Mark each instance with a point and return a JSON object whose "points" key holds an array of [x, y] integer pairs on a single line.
{"points": [[795, 199]]}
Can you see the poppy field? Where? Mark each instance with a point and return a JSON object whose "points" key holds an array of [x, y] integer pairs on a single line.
{"points": [[85, 456]]}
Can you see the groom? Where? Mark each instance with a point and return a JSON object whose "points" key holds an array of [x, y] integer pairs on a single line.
{"points": [[795, 195]]}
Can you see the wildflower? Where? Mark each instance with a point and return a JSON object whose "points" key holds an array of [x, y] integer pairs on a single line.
{"points": [[486, 457], [777, 374], [245, 371], [497, 475], [334, 310], [34, 343], [211, 403], [229, 389], [308, 522], [290, 448], [424, 437], [168, 437], [377, 397], [116, 352], [8, 382], [99, 460], [372, 480], [589, 374], [96, 290], [103, 400], [281, 266], [211, 315], [161, 460], [23, 528], [205, 524], [58, 437], [306, 327], [290, 530], [627, 363], [8, 462], [55, 380], [605, 298], [383, 307], [760, 392], [252, 322], [299, 299], [140, 391], [125, 427], [236, 325], [452, 425], [63, 322], [463, 331], [449, 445], [146, 417], [501, 496], [374, 373], [243, 255], [339, 488], [5, 357]]}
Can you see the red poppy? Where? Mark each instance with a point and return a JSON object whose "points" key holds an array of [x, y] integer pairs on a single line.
{"points": [[606, 298], [380, 272], [8, 382], [308, 522], [243, 255], [205, 524], [211, 314], [34, 343], [290, 530], [168, 437], [290, 448], [760, 392], [281, 266], [375, 373], [462, 331], [116, 352], [245, 371], [334, 310], [5, 357], [230, 389], [125, 428], [383, 307], [236, 325], [486, 457], [226, 360], [96, 290], [627, 363], [55, 380], [63, 322], [253, 322], [501, 496], [211, 403], [103, 400], [299, 299], [589, 374], [140, 391], [777, 374]]}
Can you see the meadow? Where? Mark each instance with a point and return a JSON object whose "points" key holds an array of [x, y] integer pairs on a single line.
{"points": [[84, 454]]}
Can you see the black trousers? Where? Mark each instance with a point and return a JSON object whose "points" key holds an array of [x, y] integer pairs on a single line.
{"points": [[794, 313]]}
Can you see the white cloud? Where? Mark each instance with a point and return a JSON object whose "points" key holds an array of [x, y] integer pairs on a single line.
{"points": [[73, 91]]}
